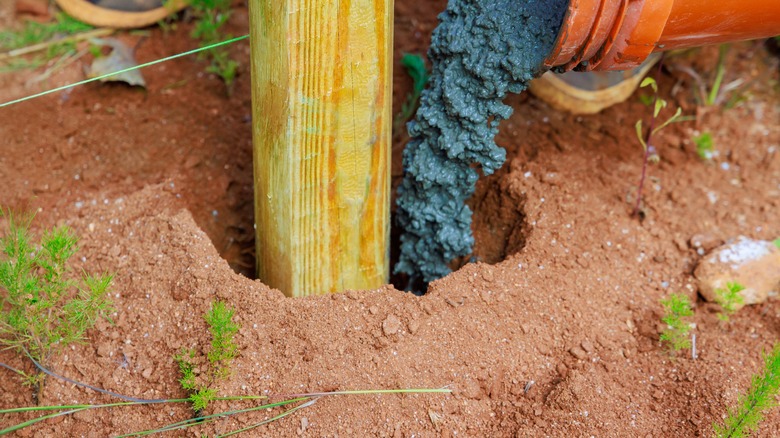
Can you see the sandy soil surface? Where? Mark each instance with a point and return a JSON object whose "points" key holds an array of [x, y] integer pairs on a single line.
{"points": [[551, 330]]}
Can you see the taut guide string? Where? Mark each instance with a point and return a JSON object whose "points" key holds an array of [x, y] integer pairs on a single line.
{"points": [[97, 78]]}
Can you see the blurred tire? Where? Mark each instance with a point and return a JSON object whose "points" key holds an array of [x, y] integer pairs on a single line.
{"points": [[122, 14], [589, 92]]}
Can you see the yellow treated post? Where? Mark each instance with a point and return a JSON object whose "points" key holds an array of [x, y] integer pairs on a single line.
{"points": [[321, 92]]}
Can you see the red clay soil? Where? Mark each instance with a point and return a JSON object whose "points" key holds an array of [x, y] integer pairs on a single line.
{"points": [[554, 333]]}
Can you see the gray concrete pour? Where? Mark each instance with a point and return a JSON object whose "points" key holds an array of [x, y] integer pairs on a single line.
{"points": [[481, 50]]}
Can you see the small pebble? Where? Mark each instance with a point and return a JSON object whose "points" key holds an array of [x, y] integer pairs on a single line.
{"points": [[707, 242], [587, 346], [414, 325], [753, 264], [578, 352], [391, 325]]}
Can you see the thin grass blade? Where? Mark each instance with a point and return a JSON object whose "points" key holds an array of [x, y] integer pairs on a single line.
{"points": [[211, 418], [270, 420], [21, 426]]}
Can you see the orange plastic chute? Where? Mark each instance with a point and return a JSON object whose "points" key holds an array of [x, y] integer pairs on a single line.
{"points": [[621, 34]]}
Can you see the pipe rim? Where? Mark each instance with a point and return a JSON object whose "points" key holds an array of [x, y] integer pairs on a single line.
{"points": [[608, 34]]}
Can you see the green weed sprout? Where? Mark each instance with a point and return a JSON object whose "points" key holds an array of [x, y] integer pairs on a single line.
{"points": [[677, 308], [645, 136], [42, 308], [720, 72], [728, 95], [223, 344], [35, 33], [220, 357], [777, 243], [752, 405], [415, 67], [729, 299], [167, 23], [704, 146], [211, 16]]}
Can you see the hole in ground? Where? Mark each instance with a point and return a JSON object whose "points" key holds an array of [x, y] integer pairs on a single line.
{"points": [[499, 226]]}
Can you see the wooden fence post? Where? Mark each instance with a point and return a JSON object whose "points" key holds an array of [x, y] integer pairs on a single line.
{"points": [[322, 103]]}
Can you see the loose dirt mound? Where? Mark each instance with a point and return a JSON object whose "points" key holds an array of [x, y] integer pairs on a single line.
{"points": [[558, 338]]}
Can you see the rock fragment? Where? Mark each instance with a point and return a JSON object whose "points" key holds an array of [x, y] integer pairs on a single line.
{"points": [[578, 352], [587, 346], [754, 264], [391, 325], [705, 242]]}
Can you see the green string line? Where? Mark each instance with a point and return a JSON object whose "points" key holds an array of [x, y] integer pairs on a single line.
{"points": [[86, 81]]}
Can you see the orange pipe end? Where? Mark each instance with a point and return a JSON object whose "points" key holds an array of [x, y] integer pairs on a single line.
{"points": [[621, 34], [694, 23]]}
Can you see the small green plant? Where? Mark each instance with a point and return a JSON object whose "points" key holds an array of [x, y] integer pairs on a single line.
{"points": [[223, 345], [219, 358], [211, 15], [646, 99], [168, 23], [42, 308], [35, 33], [704, 146], [777, 243], [720, 72], [729, 299], [728, 94], [751, 406], [415, 67], [645, 136], [677, 310]]}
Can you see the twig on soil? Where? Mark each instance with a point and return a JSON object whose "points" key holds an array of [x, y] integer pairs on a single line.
{"points": [[94, 388], [27, 423], [270, 420], [10, 368], [107, 75], [306, 400], [64, 61], [197, 421], [96, 33]]}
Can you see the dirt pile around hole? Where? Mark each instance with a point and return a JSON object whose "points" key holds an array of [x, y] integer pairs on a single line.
{"points": [[536, 344], [576, 311]]}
